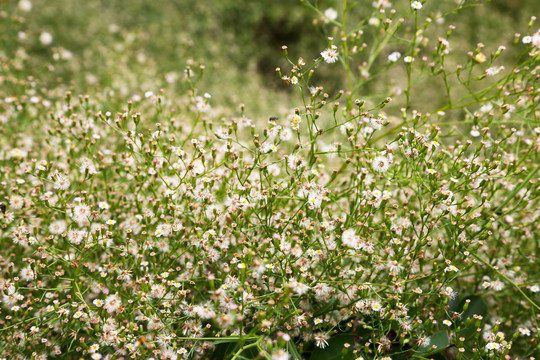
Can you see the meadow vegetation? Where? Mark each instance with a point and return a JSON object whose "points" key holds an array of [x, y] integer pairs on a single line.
{"points": [[256, 180]]}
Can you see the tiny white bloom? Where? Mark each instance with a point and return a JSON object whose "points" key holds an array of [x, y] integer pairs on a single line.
{"points": [[45, 38], [330, 14], [492, 346], [374, 21], [393, 57], [25, 5], [330, 55], [416, 5], [381, 164]]}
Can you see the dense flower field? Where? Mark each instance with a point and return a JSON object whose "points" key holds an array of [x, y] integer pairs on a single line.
{"points": [[139, 222]]}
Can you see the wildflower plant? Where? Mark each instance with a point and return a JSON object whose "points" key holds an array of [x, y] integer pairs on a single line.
{"points": [[358, 225]]}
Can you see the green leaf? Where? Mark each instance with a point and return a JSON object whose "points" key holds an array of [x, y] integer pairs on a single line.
{"points": [[226, 351], [222, 350], [439, 339], [477, 306], [291, 346], [335, 349], [326, 308], [350, 6], [448, 228]]}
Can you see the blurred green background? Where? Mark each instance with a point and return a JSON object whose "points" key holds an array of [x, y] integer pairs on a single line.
{"points": [[131, 47]]}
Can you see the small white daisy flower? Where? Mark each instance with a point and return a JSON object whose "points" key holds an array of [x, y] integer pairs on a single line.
{"points": [[416, 5], [393, 57], [330, 55]]}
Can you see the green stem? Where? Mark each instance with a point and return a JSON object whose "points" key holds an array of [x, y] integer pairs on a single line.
{"points": [[509, 281], [345, 47]]}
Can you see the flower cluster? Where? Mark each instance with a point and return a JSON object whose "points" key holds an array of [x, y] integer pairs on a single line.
{"points": [[157, 227]]}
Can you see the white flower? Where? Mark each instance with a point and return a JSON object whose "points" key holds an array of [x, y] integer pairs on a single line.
{"points": [[295, 161], [57, 227], [330, 55], [536, 40], [87, 165], [45, 38], [535, 288], [81, 213], [280, 355], [93, 348], [320, 340], [408, 59], [494, 70], [113, 303], [424, 341], [330, 14], [349, 238], [374, 21], [527, 39], [381, 164], [475, 132], [25, 5], [393, 57], [315, 200], [27, 274], [492, 346], [386, 195], [78, 314], [285, 134], [447, 322], [451, 293], [298, 288], [77, 236], [416, 5], [202, 104]]}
